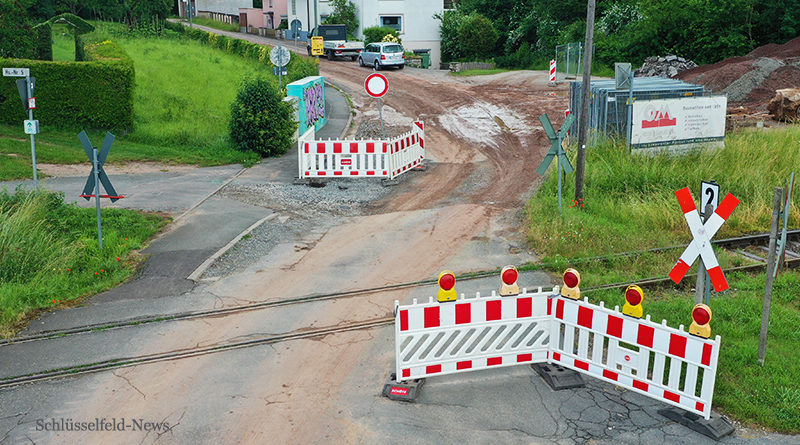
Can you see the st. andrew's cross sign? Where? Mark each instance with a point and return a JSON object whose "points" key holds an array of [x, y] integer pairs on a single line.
{"points": [[556, 150], [101, 174], [98, 176]]}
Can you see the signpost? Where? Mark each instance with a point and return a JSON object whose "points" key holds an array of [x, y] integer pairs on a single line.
{"points": [[26, 88], [98, 176], [709, 201], [376, 85], [556, 150], [280, 56], [317, 46]]}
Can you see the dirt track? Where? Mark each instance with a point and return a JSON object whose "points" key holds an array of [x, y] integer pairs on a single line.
{"points": [[464, 213]]}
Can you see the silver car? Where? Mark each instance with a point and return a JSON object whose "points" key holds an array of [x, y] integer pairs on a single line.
{"points": [[382, 54]]}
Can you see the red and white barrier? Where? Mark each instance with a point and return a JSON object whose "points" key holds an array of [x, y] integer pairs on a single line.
{"points": [[552, 71], [361, 158], [653, 359], [470, 334], [646, 357]]}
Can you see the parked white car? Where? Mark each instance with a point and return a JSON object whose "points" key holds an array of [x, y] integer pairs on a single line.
{"points": [[382, 54]]}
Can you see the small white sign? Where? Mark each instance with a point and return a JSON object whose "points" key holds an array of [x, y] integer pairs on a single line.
{"points": [[709, 194], [16, 72], [32, 103], [31, 126], [279, 56]]}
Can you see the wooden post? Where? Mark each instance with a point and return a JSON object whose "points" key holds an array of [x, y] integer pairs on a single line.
{"points": [[583, 118], [773, 235]]}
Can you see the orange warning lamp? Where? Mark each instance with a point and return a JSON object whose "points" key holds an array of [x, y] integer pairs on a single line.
{"points": [[447, 284], [572, 279], [701, 316], [508, 277], [633, 301]]}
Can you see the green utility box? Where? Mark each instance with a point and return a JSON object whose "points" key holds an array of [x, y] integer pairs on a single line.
{"points": [[426, 57]]}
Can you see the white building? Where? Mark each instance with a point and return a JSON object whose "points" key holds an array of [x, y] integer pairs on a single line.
{"points": [[413, 19]]}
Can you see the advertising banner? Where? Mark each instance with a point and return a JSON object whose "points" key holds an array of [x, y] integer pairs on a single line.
{"points": [[678, 124]]}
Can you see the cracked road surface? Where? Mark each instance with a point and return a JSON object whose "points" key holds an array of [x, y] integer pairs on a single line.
{"points": [[462, 214]]}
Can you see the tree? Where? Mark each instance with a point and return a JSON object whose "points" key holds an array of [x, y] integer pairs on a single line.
{"points": [[344, 13], [16, 34]]}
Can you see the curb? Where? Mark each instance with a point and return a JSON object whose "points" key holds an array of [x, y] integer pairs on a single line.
{"points": [[197, 204], [194, 276]]}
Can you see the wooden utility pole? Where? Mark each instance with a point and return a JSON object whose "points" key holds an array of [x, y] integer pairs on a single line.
{"points": [[771, 262], [583, 117]]}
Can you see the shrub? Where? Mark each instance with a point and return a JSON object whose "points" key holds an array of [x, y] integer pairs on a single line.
{"points": [[97, 93], [16, 35], [448, 29], [377, 33], [44, 41], [260, 120], [477, 37], [391, 38], [284, 24]]}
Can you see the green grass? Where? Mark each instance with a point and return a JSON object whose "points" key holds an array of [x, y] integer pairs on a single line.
{"points": [[49, 256], [211, 23], [480, 72], [630, 205], [63, 44], [184, 91]]}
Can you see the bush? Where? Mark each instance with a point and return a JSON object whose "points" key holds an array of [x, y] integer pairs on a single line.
{"points": [[448, 29], [16, 35], [260, 120], [343, 13], [284, 24], [477, 37], [44, 41], [97, 93], [377, 33]]}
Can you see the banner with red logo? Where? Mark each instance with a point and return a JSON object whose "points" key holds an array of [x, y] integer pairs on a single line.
{"points": [[678, 124]]}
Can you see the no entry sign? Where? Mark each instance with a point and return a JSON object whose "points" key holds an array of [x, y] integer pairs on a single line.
{"points": [[376, 85]]}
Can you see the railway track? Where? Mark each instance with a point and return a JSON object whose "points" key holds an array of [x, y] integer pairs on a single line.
{"points": [[747, 240], [304, 333]]}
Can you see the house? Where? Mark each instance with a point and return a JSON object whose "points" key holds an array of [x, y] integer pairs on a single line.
{"points": [[239, 11], [413, 19]]}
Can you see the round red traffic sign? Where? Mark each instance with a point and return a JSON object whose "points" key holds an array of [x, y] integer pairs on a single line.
{"points": [[376, 85]]}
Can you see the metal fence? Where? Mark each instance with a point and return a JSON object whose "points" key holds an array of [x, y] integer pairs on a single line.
{"points": [[568, 60], [608, 106]]}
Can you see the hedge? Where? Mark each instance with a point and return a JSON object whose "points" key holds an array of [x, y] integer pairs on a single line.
{"points": [[43, 35], [299, 66], [97, 93]]}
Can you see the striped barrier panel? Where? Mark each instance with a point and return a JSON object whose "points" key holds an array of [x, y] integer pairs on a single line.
{"points": [[361, 158], [653, 359], [470, 334]]}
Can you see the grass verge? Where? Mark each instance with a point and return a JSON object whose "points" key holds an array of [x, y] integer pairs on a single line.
{"points": [[630, 205], [183, 96], [216, 24], [49, 255]]}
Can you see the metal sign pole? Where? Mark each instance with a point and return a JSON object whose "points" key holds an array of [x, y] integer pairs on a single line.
{"points": [[630, 108], [97, 197], [33, 136], [380, 113]]}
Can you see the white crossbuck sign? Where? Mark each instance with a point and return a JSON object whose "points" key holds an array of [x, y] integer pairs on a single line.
{"points": [[702, 234]]}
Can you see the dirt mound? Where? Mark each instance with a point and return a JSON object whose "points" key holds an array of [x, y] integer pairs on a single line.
{"points": [[750, 81]]}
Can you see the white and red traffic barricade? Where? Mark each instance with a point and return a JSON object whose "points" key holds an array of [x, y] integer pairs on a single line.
{"points": [[653, 359], [552, 71], [361, 158], [470, 334]]}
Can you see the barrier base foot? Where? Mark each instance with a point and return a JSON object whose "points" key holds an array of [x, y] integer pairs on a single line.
{"points": [[299, 181], [716, 427], [420, 168], [558, 377], [402, 391], [389, 182]]}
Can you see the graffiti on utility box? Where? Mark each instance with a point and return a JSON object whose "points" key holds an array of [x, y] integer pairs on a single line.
{"points": [[310, 92]]}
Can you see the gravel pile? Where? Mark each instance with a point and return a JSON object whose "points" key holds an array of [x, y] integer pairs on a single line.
{"points": [[371, 129], [667, 66]]}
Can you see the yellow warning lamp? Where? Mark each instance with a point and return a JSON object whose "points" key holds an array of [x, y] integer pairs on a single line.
{"points": [[701, 316], [447, 283], [508, 277], [633, 301], [572, 279]]}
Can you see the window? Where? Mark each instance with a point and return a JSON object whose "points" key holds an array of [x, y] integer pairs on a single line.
{"points": [[392, 49], [392, 21], [448, 4], [294, 7]]}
